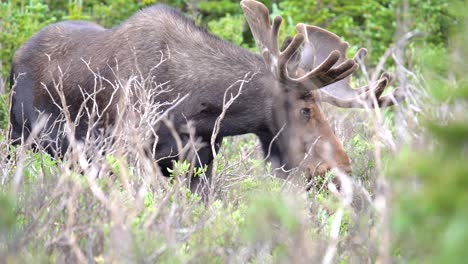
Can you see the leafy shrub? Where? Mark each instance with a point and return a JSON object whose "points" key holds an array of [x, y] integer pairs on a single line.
{"points": [[19, 21], [228, 28], [431, 181]]}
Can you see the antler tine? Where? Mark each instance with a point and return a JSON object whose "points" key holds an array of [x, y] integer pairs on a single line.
{"points": [[287, 54], [289, 47], [365, 96], [342, 95], [275, 27], [258, 18], [266, 38]]}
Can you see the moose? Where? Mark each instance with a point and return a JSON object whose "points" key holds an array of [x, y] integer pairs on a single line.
{"points": [[281, 103]]}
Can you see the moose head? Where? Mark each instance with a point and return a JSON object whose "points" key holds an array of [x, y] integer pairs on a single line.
{"points": [[308, 69]]}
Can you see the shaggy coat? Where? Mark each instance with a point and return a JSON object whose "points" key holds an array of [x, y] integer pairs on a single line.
{"points": [[196, 63]]}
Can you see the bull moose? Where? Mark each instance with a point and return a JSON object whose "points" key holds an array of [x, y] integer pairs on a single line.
{"points": [[280, 104]]}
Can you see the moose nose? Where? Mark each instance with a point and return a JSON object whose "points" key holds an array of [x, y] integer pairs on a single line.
{"points": [[322, 169], [347, 169], [319, 172]]}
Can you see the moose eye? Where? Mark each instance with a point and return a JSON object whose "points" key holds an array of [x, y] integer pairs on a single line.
{"points": [[306, 114]]}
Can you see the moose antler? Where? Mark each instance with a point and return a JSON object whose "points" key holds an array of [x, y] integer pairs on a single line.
{"points": [[266, 38], [316, 67], [320, 42]]}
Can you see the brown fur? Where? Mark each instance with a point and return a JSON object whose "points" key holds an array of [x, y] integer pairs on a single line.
{"points": [[199, 64]]}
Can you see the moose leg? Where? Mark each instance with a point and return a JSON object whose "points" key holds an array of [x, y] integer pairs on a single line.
{"points": [[19, 128], [55, 141], [22, 113]]}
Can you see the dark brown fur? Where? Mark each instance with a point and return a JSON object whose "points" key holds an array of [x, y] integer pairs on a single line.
{"points": [[199, 63]]}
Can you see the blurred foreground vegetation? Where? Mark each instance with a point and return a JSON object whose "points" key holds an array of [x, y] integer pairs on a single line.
{"points": [[416, 184]]}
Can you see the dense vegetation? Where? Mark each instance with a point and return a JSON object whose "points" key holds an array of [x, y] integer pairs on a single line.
{"points": [[410, 172]]}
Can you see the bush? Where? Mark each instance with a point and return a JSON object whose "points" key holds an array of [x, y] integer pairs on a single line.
{"points": [[431, 183]]}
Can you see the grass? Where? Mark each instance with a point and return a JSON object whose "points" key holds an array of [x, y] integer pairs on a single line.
{"points": [[118, 209]]}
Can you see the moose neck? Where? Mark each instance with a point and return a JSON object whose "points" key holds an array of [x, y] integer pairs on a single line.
{"points": [[235, 73], [207, 68], [213, 74]]}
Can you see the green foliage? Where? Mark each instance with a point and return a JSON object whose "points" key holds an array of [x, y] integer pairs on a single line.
{"points": [[228, 28], [4, 110], [360, 147], [184, 168], [19, 21], [431, 213], [7, 214], [219, 8], [370, 24], [75, 11], [38, 162], [111, 13], [265, 213]]}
